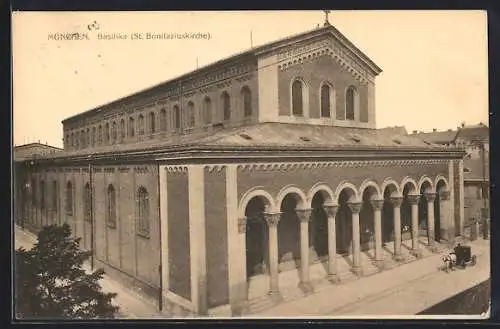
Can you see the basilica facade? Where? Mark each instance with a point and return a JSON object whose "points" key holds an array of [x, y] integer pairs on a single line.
{"points": [[254, 176]]}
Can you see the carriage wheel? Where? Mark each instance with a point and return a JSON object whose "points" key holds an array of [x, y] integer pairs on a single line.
{"points": [[473, 260]]}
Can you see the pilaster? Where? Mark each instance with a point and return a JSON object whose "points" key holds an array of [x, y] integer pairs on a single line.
{"points": [[164, 228], [196, 190]]}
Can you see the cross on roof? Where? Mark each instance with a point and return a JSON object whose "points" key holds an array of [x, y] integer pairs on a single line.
{"points": [[326, 17]]}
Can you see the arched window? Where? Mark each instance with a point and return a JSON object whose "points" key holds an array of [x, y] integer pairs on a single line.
{"points": [[177, 117], [131, 127], [106, 133], [77, 139], [246, 96], [143, 212], [42, 195], [152, 122], [55, 194], [69, 198], [88, 137], [99, 140], [111, 207], [140, 125], [94, 135], [83, 139], [350, 102], [297, 98], [207, 111], [113, 132], [226, 105], [73, 140], [87, 199], [191, 114], [163, 120], [122, 129], [326, 101]]}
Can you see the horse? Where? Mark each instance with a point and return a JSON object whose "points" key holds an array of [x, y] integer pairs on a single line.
{"points": [[449, 261]]}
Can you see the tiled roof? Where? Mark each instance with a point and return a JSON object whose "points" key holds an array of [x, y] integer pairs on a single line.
{"points": [[478, 132], [272, 135], [438, 137]]}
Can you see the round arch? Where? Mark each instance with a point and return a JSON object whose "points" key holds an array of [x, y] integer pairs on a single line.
{"points": [[370, 183], [331, 98], [292, 189], [441, 178], [410, 180], [346, 185], [391, 182], [325, 190], [425, 179], [256, 192]]}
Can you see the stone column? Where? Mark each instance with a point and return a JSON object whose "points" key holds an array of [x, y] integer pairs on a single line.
{"points": [[413, 200], [356, 249], [304, 217], [272, 220], [396, 203], [445, 219], [430, 221], [331, 211], [377, 217]]}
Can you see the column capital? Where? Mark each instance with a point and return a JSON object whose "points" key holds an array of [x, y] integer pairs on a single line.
{"points": [[331, 209], [444, 195], [413, 198], [304, 214], [396, 201], [377, 204], [355, 207], [272, 219], [430, 196], [242, 225]]}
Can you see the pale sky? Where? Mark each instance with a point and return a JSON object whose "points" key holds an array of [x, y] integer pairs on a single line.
{"points": [[435, 72]]}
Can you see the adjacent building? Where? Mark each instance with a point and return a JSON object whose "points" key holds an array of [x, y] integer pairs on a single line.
{"points": [[248, 173], [475, 140]]}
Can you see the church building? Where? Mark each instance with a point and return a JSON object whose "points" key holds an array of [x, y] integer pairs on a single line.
{"points": [[253, 180]]}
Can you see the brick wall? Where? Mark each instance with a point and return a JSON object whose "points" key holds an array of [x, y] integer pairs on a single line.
{"points": [[216, 237], [314, 73], [178, 234], [274, 181]]}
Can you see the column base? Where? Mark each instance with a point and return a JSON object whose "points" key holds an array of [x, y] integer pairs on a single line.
{"points": [[398, 258], [416, 252], [433, 248], [357, 270], [333, 278], [276, 296], [380, 264], [306, 287]]}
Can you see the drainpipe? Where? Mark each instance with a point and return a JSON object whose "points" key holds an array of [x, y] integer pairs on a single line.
{"points": [[160, 267]]}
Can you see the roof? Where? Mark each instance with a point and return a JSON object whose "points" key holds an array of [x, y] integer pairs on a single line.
{"points": [[474, 133], [470, 133], [33, 150], [438, 137], [260, 50], [270, 136]]}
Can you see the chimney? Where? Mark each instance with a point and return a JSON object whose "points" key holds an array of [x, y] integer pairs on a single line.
{"points": [[462, 124], [434, 130], [415, 131]]}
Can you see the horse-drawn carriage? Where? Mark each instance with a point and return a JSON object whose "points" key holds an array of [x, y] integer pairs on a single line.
{"points": [[460, 257]]}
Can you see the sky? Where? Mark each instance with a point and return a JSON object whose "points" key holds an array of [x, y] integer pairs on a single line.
{"points": [[435, 70]]}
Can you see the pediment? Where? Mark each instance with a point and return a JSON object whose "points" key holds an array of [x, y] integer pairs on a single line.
{"points": [[326, 45]]}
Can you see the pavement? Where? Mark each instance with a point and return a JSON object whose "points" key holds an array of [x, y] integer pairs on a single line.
{"points": [[401, 292], [132, 305]]}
